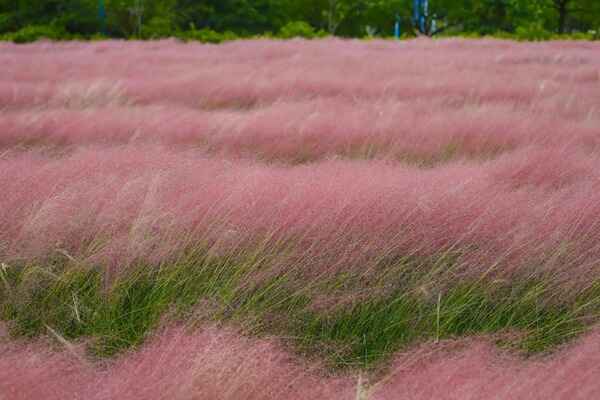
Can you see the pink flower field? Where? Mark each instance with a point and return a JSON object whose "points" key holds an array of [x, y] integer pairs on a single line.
{"points": [[340, 172], [220, 365]]}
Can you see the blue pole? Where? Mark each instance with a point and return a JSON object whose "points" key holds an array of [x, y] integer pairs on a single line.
{"points": [[424, 15], [102, 16], [397, 31], [416, 11]]}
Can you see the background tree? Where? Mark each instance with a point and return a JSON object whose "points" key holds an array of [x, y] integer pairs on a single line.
{"points": [[341, 17]]}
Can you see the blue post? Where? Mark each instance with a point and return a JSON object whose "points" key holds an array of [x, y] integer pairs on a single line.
{"points": [[424, 15], [397, 31], [416, 11], [102, 16], [420, 13]]}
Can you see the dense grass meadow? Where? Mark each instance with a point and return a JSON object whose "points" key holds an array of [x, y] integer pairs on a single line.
{"points": [[329, 219]]}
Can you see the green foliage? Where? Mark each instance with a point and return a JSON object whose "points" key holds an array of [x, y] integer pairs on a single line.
{"points": [[371, 331], [97, 37], [206, 35], [575, 36], [158, 27], [8, 22], [35, 32], [533, 32], [298, 29], [77, 302], [526, 19]]}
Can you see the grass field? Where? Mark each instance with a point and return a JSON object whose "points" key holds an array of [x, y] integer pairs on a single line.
{"points": [[326, 219]]}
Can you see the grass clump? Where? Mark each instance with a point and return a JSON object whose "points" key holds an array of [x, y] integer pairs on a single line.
{"points": [[76, 303], [368, 332]]}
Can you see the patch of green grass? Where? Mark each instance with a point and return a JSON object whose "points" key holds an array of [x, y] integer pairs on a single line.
{"points": [[75, 302], [371, 331]]}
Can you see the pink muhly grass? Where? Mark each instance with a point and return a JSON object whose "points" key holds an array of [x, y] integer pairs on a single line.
{"points": [[139, 202], [293, 101], [476, 369], [113, 162], [211, 364], [219, 364], [300, 101], [251, 72], [304, 131]]}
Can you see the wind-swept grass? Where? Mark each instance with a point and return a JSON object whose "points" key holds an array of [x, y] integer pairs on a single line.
{"points": [[355, 202], [346, 329]]}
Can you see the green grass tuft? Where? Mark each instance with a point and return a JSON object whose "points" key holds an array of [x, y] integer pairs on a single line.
{"points": [[75, 302]]}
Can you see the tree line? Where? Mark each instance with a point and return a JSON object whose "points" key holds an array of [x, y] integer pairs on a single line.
{"points": [[348, 18]]}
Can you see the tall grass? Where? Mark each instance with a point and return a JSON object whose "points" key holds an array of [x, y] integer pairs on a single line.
{"points": [[532, 212], [351, 323], [219, 364], [351, 199]]}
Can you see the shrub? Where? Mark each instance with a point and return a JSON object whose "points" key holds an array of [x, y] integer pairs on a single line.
{"points": [[574, 36], [534, 31], [98, 36], [299, 29], [7, 22], [468, 35], [158, 27], [32, 33], [206, 35]]}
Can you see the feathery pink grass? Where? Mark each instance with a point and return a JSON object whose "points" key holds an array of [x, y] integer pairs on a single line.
{"points": [[262, 71], [330, 154], [216, 364], [478, 370], [122, 204], [305, 100], [308, 130]]}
